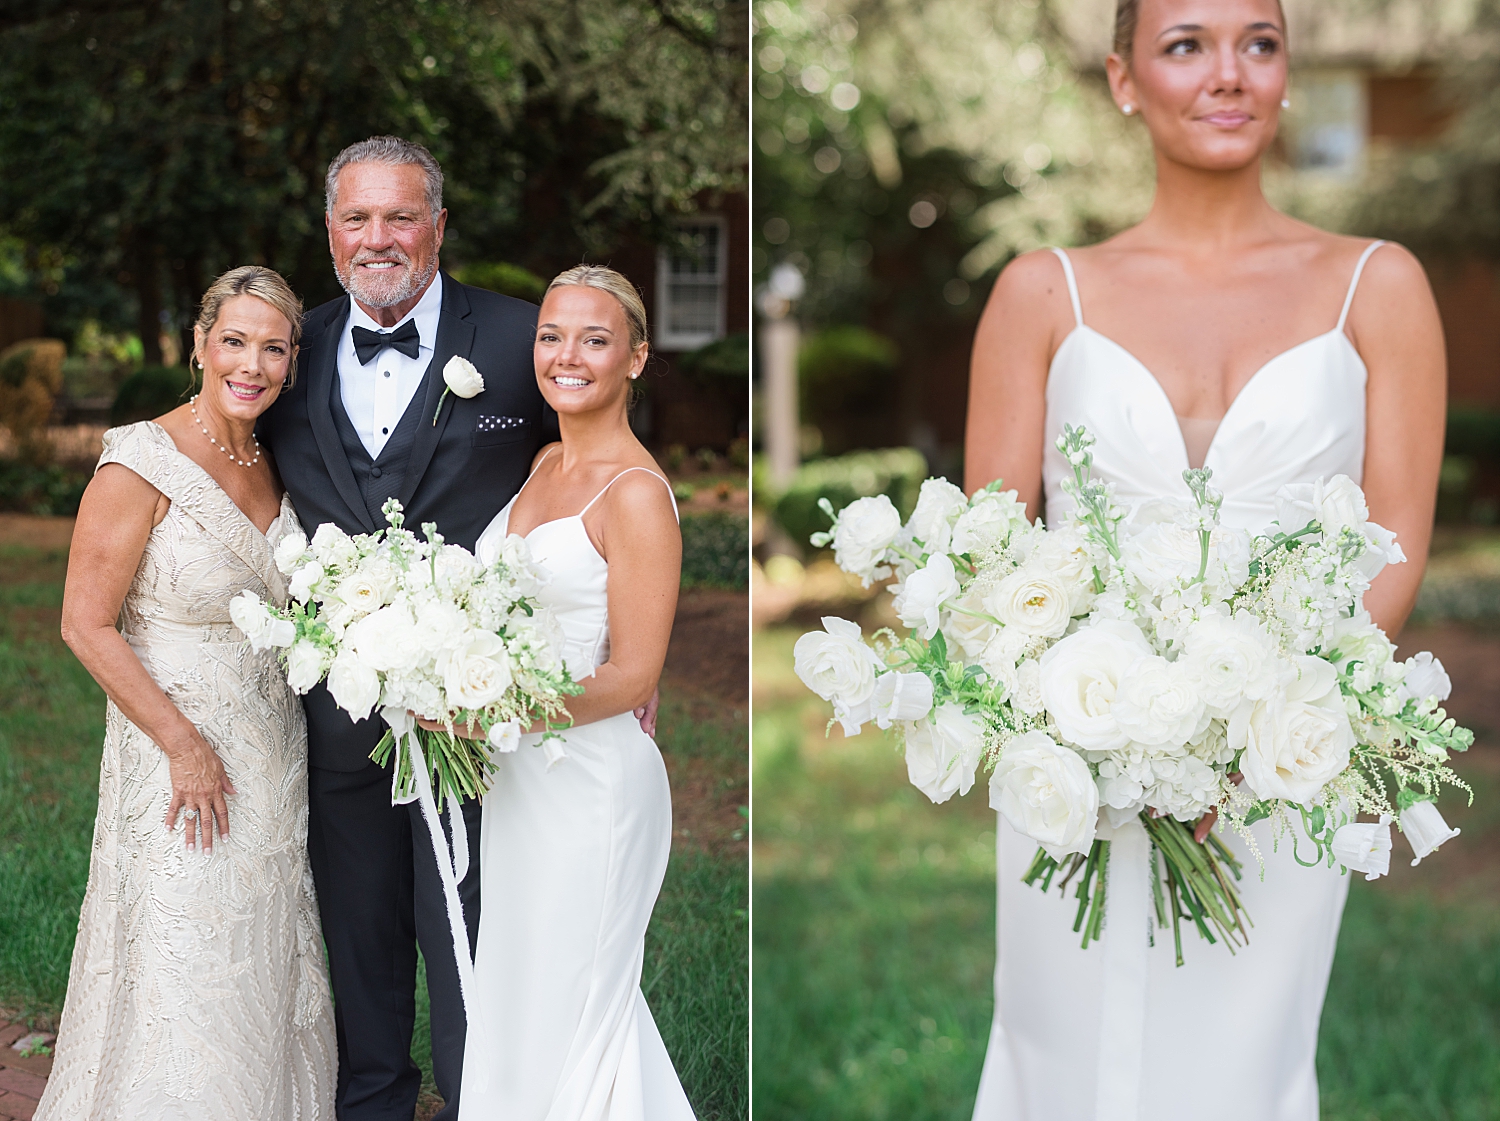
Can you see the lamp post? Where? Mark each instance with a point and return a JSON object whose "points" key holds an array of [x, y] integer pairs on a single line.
{"points": [[779, 339]]}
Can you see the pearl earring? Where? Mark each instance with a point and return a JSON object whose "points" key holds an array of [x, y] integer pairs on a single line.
{"points": [[1285, 103], [1127, 108]]}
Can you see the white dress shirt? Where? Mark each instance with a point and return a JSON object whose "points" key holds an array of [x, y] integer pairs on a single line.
{"points": [[376, 396]]}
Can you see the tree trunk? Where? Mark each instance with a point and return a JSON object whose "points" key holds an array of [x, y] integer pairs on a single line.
{"points": [[147, 279]]}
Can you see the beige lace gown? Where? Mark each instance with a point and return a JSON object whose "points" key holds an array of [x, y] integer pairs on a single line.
{"points": [[198, 988]]}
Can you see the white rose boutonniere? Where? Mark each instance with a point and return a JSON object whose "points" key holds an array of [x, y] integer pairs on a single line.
{"points": [[461, 378]]}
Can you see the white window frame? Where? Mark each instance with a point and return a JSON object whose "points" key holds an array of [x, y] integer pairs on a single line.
{"points": [[677, 340]]}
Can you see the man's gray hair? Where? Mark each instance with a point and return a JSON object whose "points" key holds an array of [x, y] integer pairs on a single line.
{"points": [[393, 152]]}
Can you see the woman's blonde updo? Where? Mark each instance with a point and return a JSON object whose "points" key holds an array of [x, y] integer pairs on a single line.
{"points": [[608, 280], [1127, 14], [262, 283]]}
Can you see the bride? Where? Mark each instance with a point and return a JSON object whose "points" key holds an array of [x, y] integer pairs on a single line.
{"points": [[1218, 333], [575, 839]]}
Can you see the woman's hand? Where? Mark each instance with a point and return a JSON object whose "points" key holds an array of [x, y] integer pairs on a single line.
{"points": [[199, 787], [467, 731]]}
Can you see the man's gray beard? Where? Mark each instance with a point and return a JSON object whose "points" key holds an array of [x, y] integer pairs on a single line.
{"points": [[373, 296]]}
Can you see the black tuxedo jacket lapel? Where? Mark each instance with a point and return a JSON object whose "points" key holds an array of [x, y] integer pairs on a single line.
{"points": [[455, 337], [322, 383]]}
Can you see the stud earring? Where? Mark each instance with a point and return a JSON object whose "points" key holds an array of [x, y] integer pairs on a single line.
{"points": [[1286, 103], [1127, 108]]}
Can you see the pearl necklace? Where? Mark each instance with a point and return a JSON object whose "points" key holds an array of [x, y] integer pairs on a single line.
{"points": [[193, 405]]}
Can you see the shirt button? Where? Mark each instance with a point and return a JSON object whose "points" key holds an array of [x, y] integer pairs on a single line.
{"points": [[385, 431], [375, 471], [387, 373]]}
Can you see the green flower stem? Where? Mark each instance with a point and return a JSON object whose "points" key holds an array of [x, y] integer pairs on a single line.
{"points": [[973, 614], [439, 411]]}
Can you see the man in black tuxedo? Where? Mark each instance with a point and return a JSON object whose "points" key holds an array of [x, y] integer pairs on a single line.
{"points": [[356, 429]]}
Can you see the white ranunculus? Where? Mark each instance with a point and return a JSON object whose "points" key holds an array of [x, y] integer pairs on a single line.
{"points": [[303, 581], [455, 566], [966, 630], [942, 752], [1080, 677], [840, 668], [437, 623], [505, 737], [305, 663], [920, 602], [289, 551], [1424, 829], [1034, 601], [475, 670], [1027, 694], [939, 503], [1231, 658], [385, 640], [1046, 793], [1333, 503], [1294, 744], [333, 547], [263, 629], [1365, 846], [1167, 555], [862, 534], [354, 685], [368, 587], [462, 377], [1426, 677], [988, 523], [900, 696], [1156, 703], [1064, 554]]}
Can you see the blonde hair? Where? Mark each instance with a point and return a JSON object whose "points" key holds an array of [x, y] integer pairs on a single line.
{"points": [[262, 283], [615, 283], [1127, 14]]}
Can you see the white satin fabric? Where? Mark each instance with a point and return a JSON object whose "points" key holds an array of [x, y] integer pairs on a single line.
{"points": [[571, 860], [1232, 1037]]}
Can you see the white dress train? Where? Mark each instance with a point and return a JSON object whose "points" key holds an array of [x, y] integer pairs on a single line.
{"points": [[1228, 1037], [572, 857]]}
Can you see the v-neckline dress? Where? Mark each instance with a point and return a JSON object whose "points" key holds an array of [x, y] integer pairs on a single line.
{"points": [[1232, 1037]]}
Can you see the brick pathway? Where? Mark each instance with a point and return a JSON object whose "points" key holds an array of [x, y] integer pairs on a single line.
{"points": [[21, 1077]]}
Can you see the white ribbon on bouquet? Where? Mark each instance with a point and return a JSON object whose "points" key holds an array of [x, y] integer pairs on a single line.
{"points": [[452, 863], [1127, 927]]}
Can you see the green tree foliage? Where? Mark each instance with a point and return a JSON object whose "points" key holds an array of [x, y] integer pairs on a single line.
{"points": [[150, 144]]}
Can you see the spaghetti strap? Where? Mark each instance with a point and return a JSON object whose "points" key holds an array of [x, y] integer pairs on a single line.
{"points": [[1354, 282], [1072, 285], [621, 475]]}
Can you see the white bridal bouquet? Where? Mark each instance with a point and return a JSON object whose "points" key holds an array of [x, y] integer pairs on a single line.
{"points": [[406, 625], [1158, 667]]}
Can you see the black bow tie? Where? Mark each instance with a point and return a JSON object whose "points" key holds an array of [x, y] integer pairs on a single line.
{"points": [[405, 338]]}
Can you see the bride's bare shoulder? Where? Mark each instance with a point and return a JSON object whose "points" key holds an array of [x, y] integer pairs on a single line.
{"points": [[1030, 298]]}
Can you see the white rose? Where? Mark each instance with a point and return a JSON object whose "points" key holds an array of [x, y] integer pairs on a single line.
{"points": [[1333, 503], [461, 376], [1296, 743], [1034, 601], [839, 667], [1027, 694], [967, 632], [305, 663], [919, 603], [1080, 676], [863, 532], [355, 686], [1425, 677], [900, 696], [938, 503], [1155, 703], [1364, 846], [289, 551], [505, 738], [942, 752], [1424, 829], [333, 547], [475, 671], [385, 640], [988, 523], [263, 629], [1228, 659], [304, 580], [1046, 793]]}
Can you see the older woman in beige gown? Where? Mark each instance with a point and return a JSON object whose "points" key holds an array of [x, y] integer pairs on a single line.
{"points": [[198, 989]]}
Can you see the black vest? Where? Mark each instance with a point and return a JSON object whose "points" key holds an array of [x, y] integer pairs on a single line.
{"points": [[384, 477]]}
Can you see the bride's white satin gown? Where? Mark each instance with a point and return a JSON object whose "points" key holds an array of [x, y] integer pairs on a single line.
{"points": [[1231, 1038], [571, 861]]}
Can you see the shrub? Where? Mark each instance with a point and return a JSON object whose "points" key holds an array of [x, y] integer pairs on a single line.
{"points": [[897, 472], [847, 378], [30, 378], [1473, 432], [152, 391], [715, 550], [505, 278], [29, 489], [724, 359]]}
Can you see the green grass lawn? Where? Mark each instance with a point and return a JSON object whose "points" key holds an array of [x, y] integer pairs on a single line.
{"points": [[874, 942], [51, 731]]}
